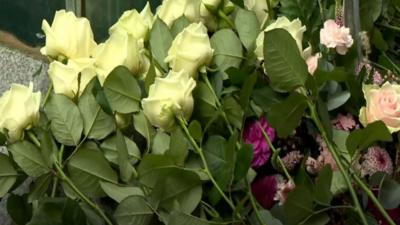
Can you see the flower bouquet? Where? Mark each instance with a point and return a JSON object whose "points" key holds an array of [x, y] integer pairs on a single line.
{"points": [[257, 112]]}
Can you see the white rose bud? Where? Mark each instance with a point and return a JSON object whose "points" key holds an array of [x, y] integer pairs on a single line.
{"points": [[138, 25], [294, 27], [19, 110], [191, 50], [170, 10], [169, 97], [121, 49], [66, 78], [68, 36]]}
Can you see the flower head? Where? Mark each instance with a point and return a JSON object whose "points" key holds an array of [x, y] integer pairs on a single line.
{"points": [[291, 159], [345, 122], [335, 36], [253, 135], [376, 159], [283, 190]]}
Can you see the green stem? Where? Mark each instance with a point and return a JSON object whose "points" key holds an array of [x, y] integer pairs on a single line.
{"points": [[219, 105], [395, 28], [391, 62], [63, 177], [33, 138], [339, 163], [54, 188], [272, 147], [223, 16], [271, 14], [254, 203], [206, 169], [373, 198], [47, 95]]}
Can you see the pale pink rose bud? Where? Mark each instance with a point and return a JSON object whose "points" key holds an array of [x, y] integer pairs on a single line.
{"points": [[335, 36], [312, 63]]}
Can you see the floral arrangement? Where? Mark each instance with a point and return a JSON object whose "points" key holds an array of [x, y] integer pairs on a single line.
{"points": [[211, 112]]}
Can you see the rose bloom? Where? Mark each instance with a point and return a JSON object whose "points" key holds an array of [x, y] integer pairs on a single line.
{"points": [[65, 77], [253, 135], [311, 60], [135, 23], [19, 110], [383, 103], [169, 97], [335, 36], [170, 10], [68, 36], [191, 50]]}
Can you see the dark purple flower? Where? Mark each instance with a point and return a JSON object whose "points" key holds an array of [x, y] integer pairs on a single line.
{"points": [[253, 135], [264, 190]]}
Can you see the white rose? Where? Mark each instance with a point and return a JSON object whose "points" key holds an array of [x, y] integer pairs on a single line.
{"points": [[121, 49], [65, 77], [19, 110], [294, 27], [191, 50], [138, 25], [170, 10], [169, 97], [68, 36]]}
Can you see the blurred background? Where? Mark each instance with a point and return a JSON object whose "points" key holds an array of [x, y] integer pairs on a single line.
{"points": [[22, 19]]}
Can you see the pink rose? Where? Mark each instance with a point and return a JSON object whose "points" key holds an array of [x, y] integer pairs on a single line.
{"points": [[383, 103], [335, 36]]}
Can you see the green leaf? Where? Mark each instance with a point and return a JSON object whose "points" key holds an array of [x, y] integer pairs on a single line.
{"points": [[369, 13], [133, 210], [298, 205], [363, 138], [96, 123], [247, 90], [122, 90], [66, 120], [143, 126], [49, 212], [3, 139], [179, 187], [180, 218], [48, 147], [109, 146], [29, 158], [154, 167], [126, 169], [119, 193], [195, 130], [228, 51], [317, 219], [160, 42], [245, 156], [40, 186], [284, 65], [248, 27], [150, 77], [8, 175], [338, 74], [100, 96], [285, 116], [161, 143], [378, 41], [178, 147], [179, 24], [73, 213], [337, 100], [19, 209], [389, 193], [233, 111], [323, 194], [239, 3], [266, 217], [265, 97], [338, 185], [87, 167]]}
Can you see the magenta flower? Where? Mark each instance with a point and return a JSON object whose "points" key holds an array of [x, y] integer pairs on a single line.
{"points": [[253, 135], [264, 190]]}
